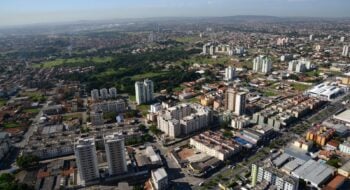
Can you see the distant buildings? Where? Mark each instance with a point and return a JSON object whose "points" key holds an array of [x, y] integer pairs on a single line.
{"points": [[262, 64], [115, 153], [115, 106], [299, 66], [184, 119], [144, 91], [86, 158], [103, 94], [345, 52], [230, 73], [160, 179], [235, 101], [214, 144]]}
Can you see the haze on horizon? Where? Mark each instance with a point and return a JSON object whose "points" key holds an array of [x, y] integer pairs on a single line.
{"points": [[19, 12]]}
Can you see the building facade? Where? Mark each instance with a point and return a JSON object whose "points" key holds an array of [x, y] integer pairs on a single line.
{"points": [[144, 91], [115, 153]]}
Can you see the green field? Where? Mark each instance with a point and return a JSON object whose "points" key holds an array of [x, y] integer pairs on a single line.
{"points": [[148, 76], [11, 124], [300, 87], [73, 61], [32, 110], [206, 60]]}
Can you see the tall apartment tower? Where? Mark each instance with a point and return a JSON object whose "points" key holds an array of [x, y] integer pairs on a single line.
{"points": [[104, 93], [144, 91], [86, 158], [262, 64], [235, 101], [112, 92], [94, 95], [230, 73], [345, 52], [115, 153]]}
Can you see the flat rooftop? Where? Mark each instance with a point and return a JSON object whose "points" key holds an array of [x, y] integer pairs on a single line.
{"points": [[343, 116]]}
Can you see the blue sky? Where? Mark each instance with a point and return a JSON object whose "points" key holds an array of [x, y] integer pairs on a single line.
{"points": [[15, 12]]}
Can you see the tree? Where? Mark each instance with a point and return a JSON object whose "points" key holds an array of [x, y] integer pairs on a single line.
{"points": [[26, 162], [8, 182]]}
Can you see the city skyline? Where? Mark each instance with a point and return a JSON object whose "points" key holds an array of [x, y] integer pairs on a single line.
{"points": [[20, 12]]}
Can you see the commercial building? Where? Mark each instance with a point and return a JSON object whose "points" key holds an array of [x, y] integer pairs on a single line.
{"points": [[345, 147], [86, 158], [345, 170], [214, 144], [230, 73], [144, 91], [115, 153], [235, 101], [262, 64], [159, 179], [184, 119], [326, 91]]}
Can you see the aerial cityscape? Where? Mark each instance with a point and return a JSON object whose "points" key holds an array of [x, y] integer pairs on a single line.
{"points": [[158, 95]]}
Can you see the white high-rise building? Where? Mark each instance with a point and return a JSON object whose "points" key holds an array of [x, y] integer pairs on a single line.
{"points": [[144, 91], [230, 73], [262, 64], [94, 95], [311, 37], [96, 118], [115, 153], [104, 93], [342, 39], [345, 52], [159, 179], [235, 101], [86, 158], [299, 66], [113, 92]]}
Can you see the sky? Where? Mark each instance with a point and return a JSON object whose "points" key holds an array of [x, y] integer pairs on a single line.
{"points": [[18, 12]]}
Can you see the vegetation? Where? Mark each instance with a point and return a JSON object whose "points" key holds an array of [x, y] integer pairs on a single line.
{"points": [[26, 162], [8, 182], [334, 161], [155, 130], [299, 86], [2, 102], [11, 124], [73, 62], [31, 110]]}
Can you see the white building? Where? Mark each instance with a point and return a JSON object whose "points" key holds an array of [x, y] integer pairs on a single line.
{"points": [[345, 52], [115, 153], [112, 92], [262, 64], [299, 66], [240, 122], [183, 119], [86, 158], [159, 179], [95, 95], [326, 91], [96, 118], [345, 147], [154, 108], [144, 91], [115, 106], [230, 73], [235, 101], [104, 93]]}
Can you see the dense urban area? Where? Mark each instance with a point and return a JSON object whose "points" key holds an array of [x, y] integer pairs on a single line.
{"points": [[243, 102]]}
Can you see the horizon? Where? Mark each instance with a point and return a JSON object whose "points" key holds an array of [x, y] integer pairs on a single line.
{"points": [[32, 12]]}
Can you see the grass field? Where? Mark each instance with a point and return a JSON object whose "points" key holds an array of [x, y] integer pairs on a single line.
{"points": [[34, 96], [300, 87], [148, 76], [11, 124], [73, 61]]}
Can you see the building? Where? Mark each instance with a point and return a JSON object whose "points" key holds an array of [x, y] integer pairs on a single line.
{"points": [[113, 92], [104, 94], [326, 91], [4, 144], [184, 119], [144, 91], [96, 118], [86, 159], [230, 73], [235, 101], [345, 170], [320, 134], [115, 106], [345, 147], [95, 95], [315, 173], [214, 144], [299, 66], [240, 122], [115, 153], [345, 52], [262, 64], [159, 179], [261, 174]]}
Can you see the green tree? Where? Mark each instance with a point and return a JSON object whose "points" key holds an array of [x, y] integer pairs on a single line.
{"points": [[26, 162]]}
